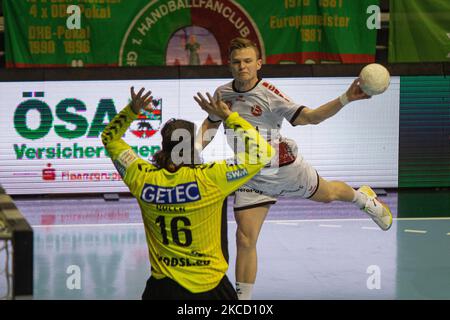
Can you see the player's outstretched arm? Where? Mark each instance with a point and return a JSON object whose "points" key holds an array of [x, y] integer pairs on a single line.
{"points": [[213, 106], [206, 133], [208, 128], [112, 135], [127, 163], [329, 109], [256, 153], [257, 150], [140, 101]]}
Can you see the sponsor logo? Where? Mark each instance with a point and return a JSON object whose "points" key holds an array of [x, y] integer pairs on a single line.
{"points": [[272, 88], [256, 111], [35, 120], [236, 174], [249, 190], [182, 193], [70, 111], [127, 157], [148, 123], [75, 151], [89, 176], [49, 173], [183, 262]]}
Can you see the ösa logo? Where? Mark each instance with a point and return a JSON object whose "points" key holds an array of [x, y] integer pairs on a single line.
{"points": [[73, 122], [70, 111]]}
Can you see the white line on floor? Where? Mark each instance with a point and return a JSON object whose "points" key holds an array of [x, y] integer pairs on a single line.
{"points": [[371, 228], [288, 223], [330, 226], [415, 231]]}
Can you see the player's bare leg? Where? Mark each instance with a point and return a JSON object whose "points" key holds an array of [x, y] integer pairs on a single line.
{"points": [[365, 198], [329, 191], [249, 223]]}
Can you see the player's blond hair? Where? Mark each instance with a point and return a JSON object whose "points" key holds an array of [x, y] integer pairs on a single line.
{"points": [[241, 43]]}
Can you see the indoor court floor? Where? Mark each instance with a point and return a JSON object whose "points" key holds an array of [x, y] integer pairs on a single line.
{"points": [[306, 250]]}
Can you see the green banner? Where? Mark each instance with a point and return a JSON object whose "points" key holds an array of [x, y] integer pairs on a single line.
{"points": [[419, 31], [186, 32]]}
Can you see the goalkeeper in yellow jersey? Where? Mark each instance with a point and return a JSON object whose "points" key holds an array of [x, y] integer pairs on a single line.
{"points": [[181, 199]]}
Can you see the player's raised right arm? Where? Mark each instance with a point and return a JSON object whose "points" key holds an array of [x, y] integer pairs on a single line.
{"points": [[129, 165], [210, 125], [206, 133], [256, 153]]}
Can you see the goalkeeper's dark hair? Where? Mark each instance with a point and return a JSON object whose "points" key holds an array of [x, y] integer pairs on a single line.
{"points": [[163, 158]]}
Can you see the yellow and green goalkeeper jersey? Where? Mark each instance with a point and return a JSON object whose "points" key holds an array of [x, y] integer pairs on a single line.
{"points": [[182, 210]]}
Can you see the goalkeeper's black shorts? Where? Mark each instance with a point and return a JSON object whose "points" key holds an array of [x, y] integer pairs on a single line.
{"points": [[168, 289]]}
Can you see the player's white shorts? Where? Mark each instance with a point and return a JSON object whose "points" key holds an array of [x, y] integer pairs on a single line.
{"points": [[296, 179]]}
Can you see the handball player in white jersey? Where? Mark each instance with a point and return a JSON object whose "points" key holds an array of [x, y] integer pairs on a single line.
{"points": [[265, 107]]}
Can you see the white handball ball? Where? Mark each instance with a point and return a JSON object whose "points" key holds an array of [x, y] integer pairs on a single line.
{"points": [[374, 79]]}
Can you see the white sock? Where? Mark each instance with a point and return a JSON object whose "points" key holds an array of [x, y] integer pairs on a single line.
{"points": [[359, 199], [244, 290]]}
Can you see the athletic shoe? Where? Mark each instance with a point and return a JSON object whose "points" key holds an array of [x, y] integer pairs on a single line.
{"points": [[376, 209]]}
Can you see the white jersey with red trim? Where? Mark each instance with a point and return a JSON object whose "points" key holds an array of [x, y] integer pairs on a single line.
{"points": [[264, 106]]}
